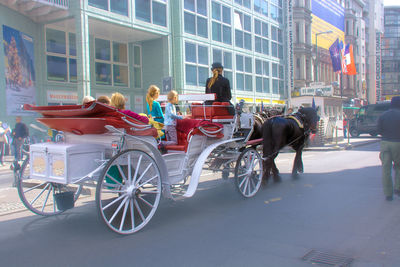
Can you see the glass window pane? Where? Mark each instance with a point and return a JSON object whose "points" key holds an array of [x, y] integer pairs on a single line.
{"points": [[120, 52], [55, 41], [190, 53], [280, 51], [189, 5], [203, 55], [258, 66], [72, 44], [264, 7], [257, 27], [119, 6], [190, 24], [281, 88], [274, 33], [239, 81], [265, 29], [142, 10], [227, 60], [248, 83], [275, 87], [202, 7], [216, 31], [266, 85], [72, 70], [216, 11], [265, 46], [257, 6], [203, 75], [274, 70], [136, 55], [228, 75], [274, 49], [120, 74], [247, 41], [103, 73], [103, 4], [102, 49], [257, 44], [281, 72], [247, 23], [137, 77], [266, 68], [159, 14], [259, 85], [239, 38], [56, 69], [191, 74], [248, 66], [226, 34], [247, 3], [217, 56], [239, 63], [226, 15], [202, 27]]}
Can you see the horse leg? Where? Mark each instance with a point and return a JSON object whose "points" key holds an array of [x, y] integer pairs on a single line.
{"points": [[275, 172], [267, 171], [298, 163]]}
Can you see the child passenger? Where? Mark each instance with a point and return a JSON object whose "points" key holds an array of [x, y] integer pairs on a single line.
{"points": [[118, 101], [170, 119]]}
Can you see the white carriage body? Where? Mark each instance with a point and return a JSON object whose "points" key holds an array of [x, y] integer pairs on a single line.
{"points": [[64, 163]]}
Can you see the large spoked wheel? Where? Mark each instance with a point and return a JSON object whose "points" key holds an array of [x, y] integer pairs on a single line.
{"points": [[248, 172], [128, 191], [39, 196]]}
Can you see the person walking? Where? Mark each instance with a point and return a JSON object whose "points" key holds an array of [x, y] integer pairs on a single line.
{"points": [[389, 128], [20, 132], [4, 129], [220, 86]]}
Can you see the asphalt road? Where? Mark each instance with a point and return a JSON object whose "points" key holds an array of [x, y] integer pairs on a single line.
{"points": [[337, 206]]}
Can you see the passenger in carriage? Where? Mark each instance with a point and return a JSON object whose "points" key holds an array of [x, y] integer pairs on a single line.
{"points": [[219, 85], [170, 119], [104, 99], [153, 107], [87, 99], [118, 101]]}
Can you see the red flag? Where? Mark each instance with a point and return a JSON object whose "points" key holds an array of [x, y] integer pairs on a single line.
{"points": [[343, 61], [350, 65]]}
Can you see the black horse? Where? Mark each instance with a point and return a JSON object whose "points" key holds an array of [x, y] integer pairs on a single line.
{"points": [[260, 118], [292, 130]]}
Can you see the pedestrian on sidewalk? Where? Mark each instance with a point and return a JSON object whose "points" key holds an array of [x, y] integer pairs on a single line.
{"points": [[345, 123], [4, 129], [389, 128], [20, 132]]}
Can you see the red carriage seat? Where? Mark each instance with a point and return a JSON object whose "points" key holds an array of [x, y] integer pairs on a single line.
{"points": [[185, 128], [218, 112], [89, 119]]}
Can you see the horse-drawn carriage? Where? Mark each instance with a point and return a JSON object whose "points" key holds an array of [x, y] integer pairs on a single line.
{"points": [[103, 147]]}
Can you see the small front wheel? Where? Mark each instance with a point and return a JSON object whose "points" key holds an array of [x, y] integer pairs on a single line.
{"points": [[128, 191], [248, 172]]}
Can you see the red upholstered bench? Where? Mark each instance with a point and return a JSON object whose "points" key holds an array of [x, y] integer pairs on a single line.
{"points": [[218, 112]]}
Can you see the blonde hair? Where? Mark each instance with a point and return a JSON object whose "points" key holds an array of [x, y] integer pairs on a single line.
{"points": [[118, 101], [104, 99], [87, 99], [151, 92], [215, 72], [171, 95]]}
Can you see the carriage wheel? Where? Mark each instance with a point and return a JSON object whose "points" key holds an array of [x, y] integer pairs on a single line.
{"points": [[248, 172], [128, 191], [39, 196]]}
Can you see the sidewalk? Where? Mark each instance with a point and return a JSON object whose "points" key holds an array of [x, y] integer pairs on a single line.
{"points": [[344, 144]]}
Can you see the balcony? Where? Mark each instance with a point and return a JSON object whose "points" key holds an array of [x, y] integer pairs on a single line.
{"points": [[40, 11]]}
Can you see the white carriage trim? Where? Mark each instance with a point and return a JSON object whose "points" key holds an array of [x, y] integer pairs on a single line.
{"points": [[137, 127], [198, 167], [190, 97]]}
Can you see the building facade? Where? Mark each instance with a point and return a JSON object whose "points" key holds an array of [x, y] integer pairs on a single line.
{"points": [[391, 53], [97, 47]]}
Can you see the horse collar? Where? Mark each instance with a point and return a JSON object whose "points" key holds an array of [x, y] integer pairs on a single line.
{"points": [[296, 120]]}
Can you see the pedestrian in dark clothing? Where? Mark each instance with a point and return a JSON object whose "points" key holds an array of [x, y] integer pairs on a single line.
{"points": [[4, 129], [20, 132], [219, 85], [389, 128]]}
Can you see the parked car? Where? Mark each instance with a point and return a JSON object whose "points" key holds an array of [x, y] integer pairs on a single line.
{"points": [[366, 120]]}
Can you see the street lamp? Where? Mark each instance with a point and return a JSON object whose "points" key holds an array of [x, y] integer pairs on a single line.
{"points": [[316, 52]]}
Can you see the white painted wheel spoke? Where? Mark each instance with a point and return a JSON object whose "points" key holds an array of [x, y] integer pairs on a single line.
{"points": [[45, 201], [41, 192], [124, 215], [112, 202], [122, 173], [241, 183], [36, 186], [152, 178], [144, 172], [137, 169], [145, 201], [112, 178], [139, 210], [118, 209], [132, 213]]}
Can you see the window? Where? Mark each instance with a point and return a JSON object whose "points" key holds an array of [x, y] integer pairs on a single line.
{"points": [[196, 64], [276, 10], [261, 6], [276, 42], [262, 73], [152, 11], [115, 6], [242, 24], [221, 23], [226, 60], [111, 63], [244, 69], [245, 3], [261, 43], [195, 17], [61, 56], [278, 78]]}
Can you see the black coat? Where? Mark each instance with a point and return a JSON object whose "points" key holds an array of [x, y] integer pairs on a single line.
{"points": [[221, 88]]}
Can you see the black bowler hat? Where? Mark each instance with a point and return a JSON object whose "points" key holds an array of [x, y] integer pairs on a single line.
{"points": [[216, 65]]}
